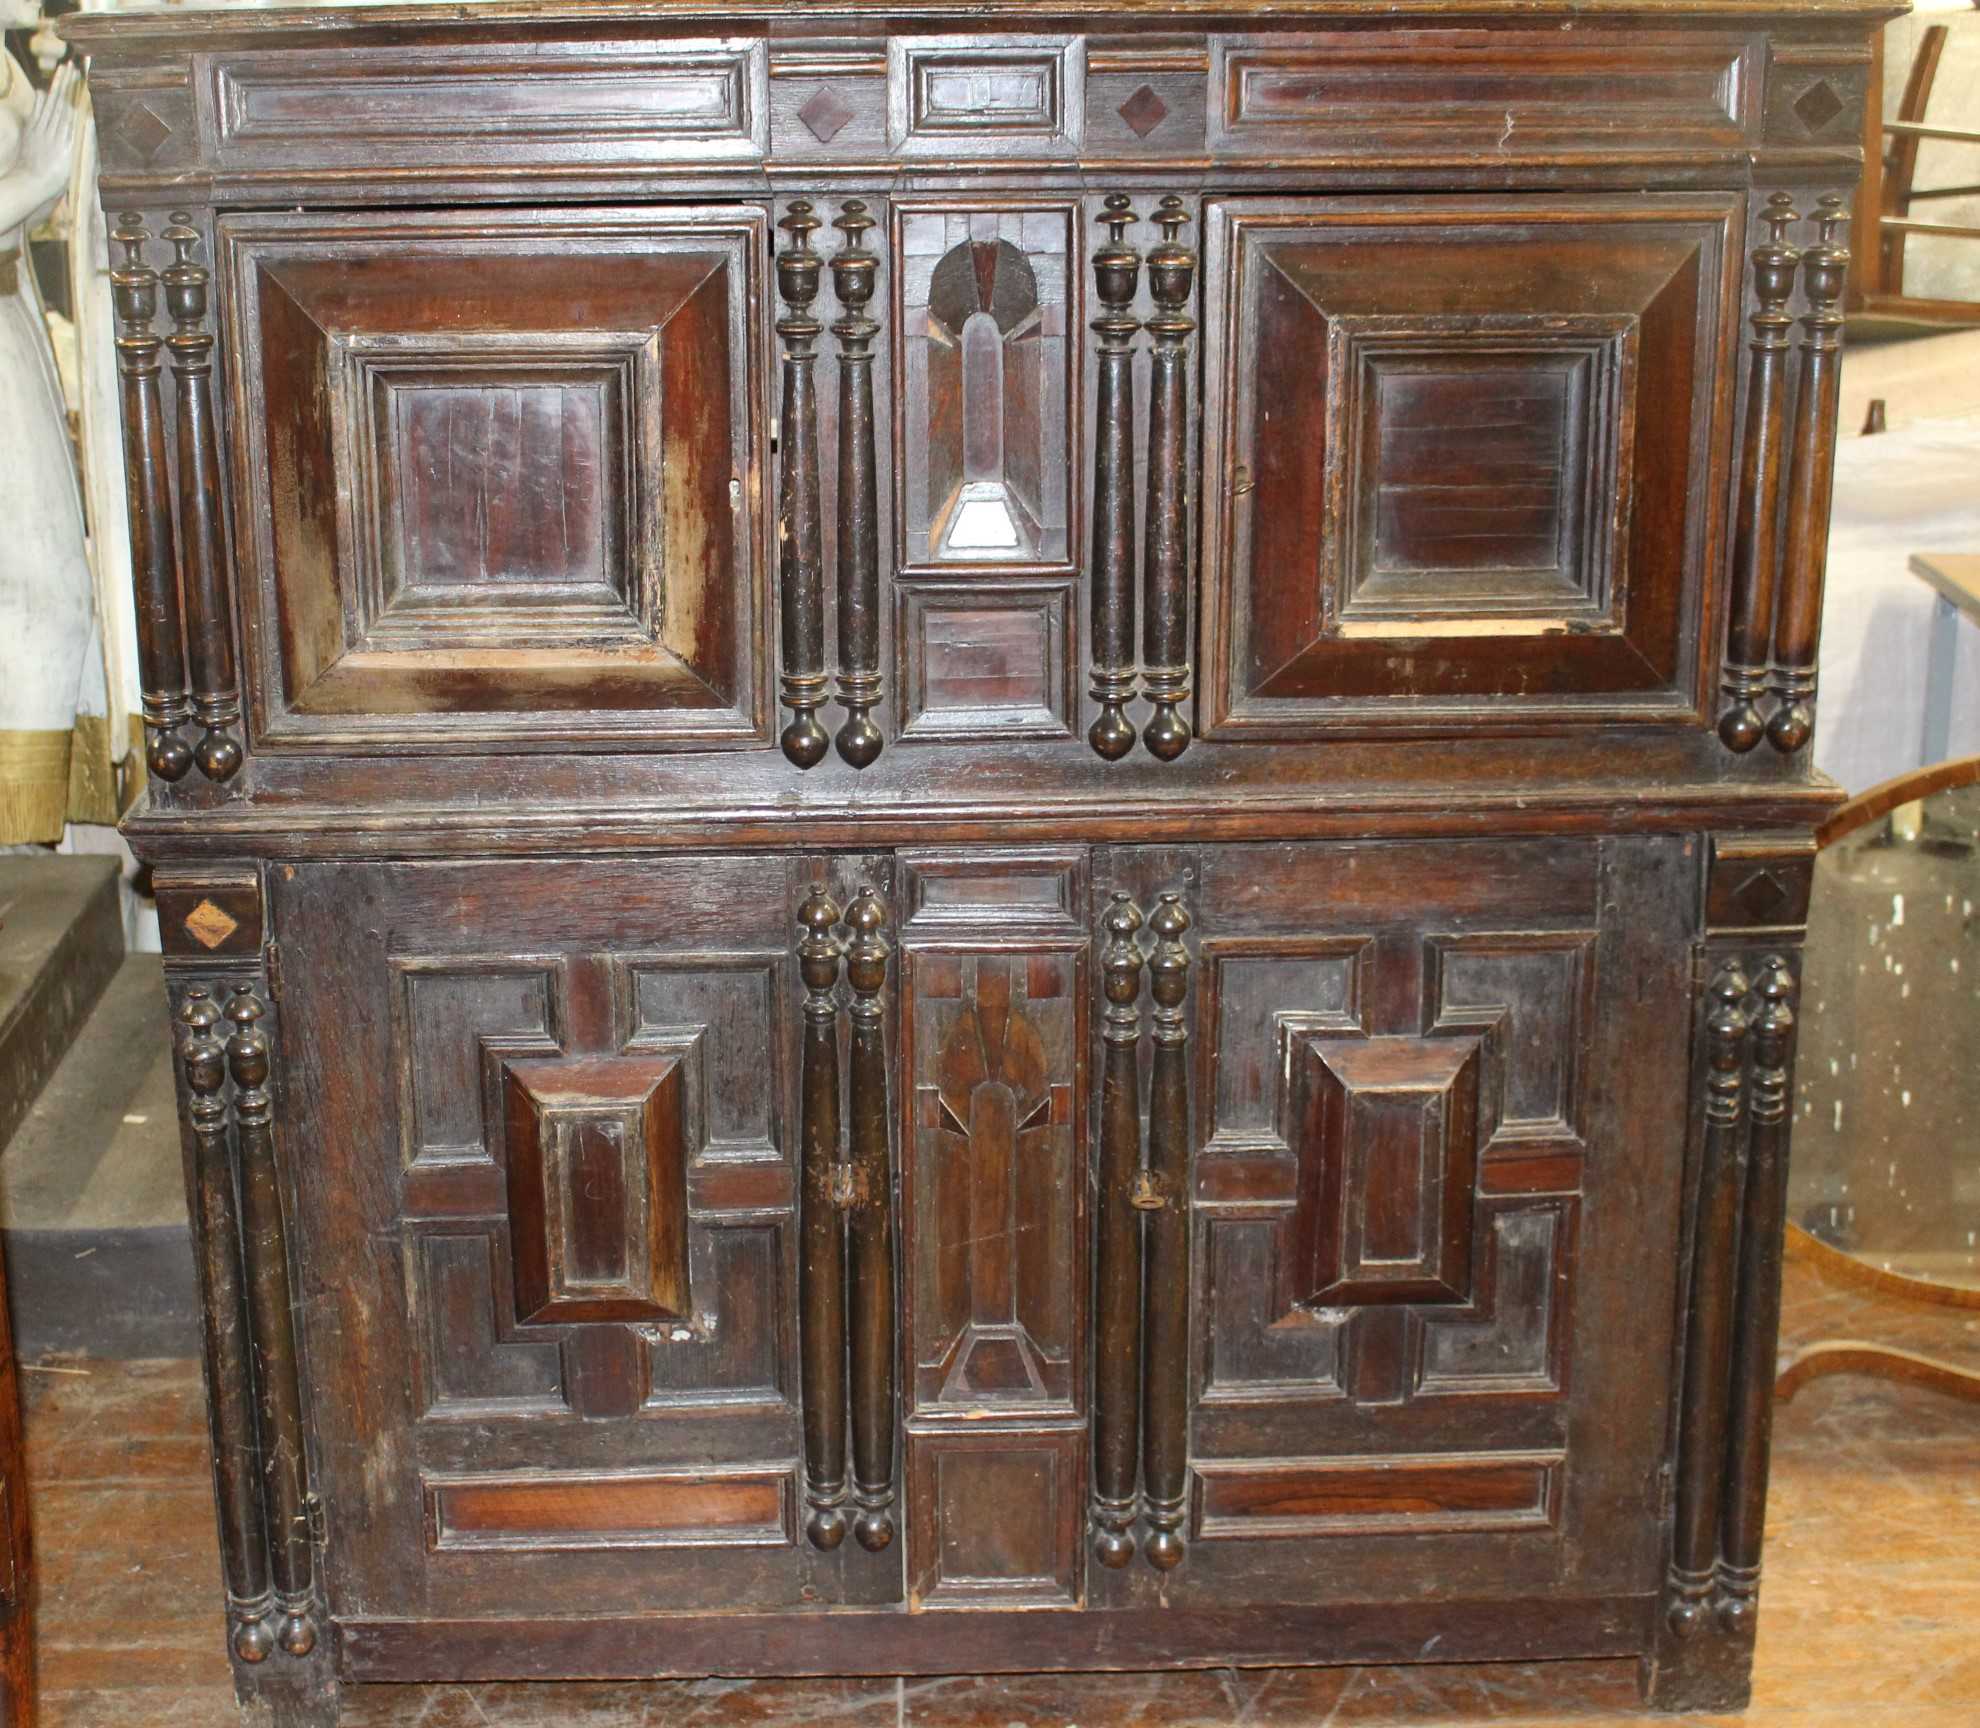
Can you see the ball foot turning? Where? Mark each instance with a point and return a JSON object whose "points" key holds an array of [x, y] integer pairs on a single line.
{"points": [[874, 1531], [1113, 1548], [805, 741], [826, 1527]]}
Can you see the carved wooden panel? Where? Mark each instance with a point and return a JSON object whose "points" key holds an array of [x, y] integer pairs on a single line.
{"points": [[994, 1072], [985, 298], [501, 473], [1401, 1140], [1456, 459], [583, 1253], [994, 1209]]}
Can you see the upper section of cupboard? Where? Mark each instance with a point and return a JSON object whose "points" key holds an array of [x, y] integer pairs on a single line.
{"points": [[537, 416]]}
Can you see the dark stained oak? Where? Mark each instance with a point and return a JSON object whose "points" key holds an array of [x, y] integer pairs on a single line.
{"points": [[641, 1131]]}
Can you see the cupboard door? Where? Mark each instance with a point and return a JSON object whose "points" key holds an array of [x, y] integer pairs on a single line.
{"points": [[1458, 456], [1437, 1092], [545, 1159], [501, 474]]}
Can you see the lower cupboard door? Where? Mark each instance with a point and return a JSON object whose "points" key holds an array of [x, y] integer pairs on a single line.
{"points": [[541, 1121], [1438, 1113]]}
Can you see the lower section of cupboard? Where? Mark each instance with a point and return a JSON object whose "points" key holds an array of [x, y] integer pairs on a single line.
{"points": [[795, 1264]]}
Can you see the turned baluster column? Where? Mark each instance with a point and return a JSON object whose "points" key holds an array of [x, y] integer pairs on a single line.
{"points": [[148, 498], [237, 1462], [1797, 630], [1165, 544], [1117, 1289], [1165, 1198], [278, 1394], [1749, 1420], [870, 1228], [800, 545], [1709, 1313], [1756, 550], [216, 701], [1116, 272], [821, 1237], [854, 273]]}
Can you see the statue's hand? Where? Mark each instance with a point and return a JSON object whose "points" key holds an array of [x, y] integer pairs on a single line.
{"points": [[48, 140]]}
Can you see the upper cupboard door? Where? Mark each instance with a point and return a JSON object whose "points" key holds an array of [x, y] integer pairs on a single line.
{"points": [[499, 474], [1457, 459]]}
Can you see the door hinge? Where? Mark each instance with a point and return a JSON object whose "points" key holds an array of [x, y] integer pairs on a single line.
{"points": [[272, 963], [319, 1523]]}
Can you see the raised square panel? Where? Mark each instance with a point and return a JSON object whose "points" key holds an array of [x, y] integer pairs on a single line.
{"points": [[1457, 460], [1386, 1134], [502, 471], [513, 483], [597, 1151], [994, 1519], [962, 95], [986, 662], [1486, 489]]}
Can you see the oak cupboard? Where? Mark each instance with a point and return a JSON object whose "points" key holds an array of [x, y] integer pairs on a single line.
{"points": [[982, 831]]}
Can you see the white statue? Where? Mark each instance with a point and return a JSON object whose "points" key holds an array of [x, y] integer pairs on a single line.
{"points": [[46, 616]]}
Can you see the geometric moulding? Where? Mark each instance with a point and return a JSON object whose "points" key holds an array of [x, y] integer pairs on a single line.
{"points": [[597, 1176], [1386, 1134]]}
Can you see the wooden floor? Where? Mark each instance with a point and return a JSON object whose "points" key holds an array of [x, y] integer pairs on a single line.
{"points": [[1871, 1612]]}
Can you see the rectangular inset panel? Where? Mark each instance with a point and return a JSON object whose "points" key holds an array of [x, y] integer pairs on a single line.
{"points": [[670, 1509], [995, 1197], [995, 1519], [979, 661], [1372, 1496], [1456, 459], [501, 465], [1001, 887], [985, 442], [964, 96], [1440, 91], [697, 98]]}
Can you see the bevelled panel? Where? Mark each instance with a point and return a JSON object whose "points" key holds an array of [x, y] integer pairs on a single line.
{"points": [[597, 1152], [1385, 1131], [501, 476], [1456, 460]]}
